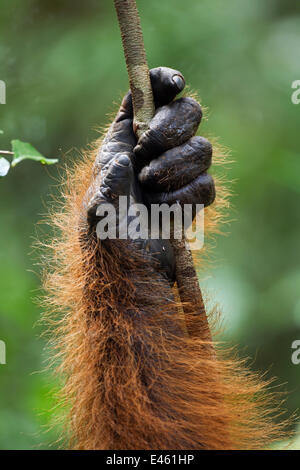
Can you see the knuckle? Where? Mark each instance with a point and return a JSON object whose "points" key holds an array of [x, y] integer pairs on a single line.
{"points": [[191, 104], [203, 152], [202, 145], [200, 191], [208, 191]]}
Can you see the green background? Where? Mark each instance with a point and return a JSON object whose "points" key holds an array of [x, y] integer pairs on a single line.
{"points": [[64, 70]]}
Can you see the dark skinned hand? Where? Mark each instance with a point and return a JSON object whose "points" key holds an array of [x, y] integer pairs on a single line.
{"points": [[168, 164]]}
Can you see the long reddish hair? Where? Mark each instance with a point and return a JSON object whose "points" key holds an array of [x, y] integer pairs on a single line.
{"points": [[130, 381]]}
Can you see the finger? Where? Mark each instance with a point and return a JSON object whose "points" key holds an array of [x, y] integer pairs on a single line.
{"points": [[118, 178], [115, 183], [171, 126], [200, 191], [178, 166], [120, 139], [166, 84]]}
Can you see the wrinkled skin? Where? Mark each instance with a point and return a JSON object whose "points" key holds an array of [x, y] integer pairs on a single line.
{"points": [[168, 164]]}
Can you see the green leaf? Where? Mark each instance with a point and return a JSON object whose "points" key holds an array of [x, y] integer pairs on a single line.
{"points": [[4, 166], [24, 151]]}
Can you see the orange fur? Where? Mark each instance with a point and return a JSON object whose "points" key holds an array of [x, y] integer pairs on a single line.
{"points": [[129, 381]]}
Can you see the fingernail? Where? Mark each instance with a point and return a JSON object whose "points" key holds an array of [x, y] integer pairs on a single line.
{"points": [[123, 160], [179, 82]]}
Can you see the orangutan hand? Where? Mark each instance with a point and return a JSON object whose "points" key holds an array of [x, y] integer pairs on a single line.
{"points": [[168, 164]]}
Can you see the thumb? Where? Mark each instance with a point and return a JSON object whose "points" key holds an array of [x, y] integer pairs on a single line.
{"points": [[116, 182], [166, 84], [118, 179]]}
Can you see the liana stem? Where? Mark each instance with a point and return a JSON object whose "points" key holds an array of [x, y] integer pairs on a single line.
{"points": [[136, 62], [143, 106]]}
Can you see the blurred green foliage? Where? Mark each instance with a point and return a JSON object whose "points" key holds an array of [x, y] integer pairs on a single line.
{"points": [[21, 151], [64, 71]]}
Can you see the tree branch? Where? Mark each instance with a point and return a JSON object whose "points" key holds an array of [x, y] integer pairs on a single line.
{"points": [[136, 61], [143, 106]]}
